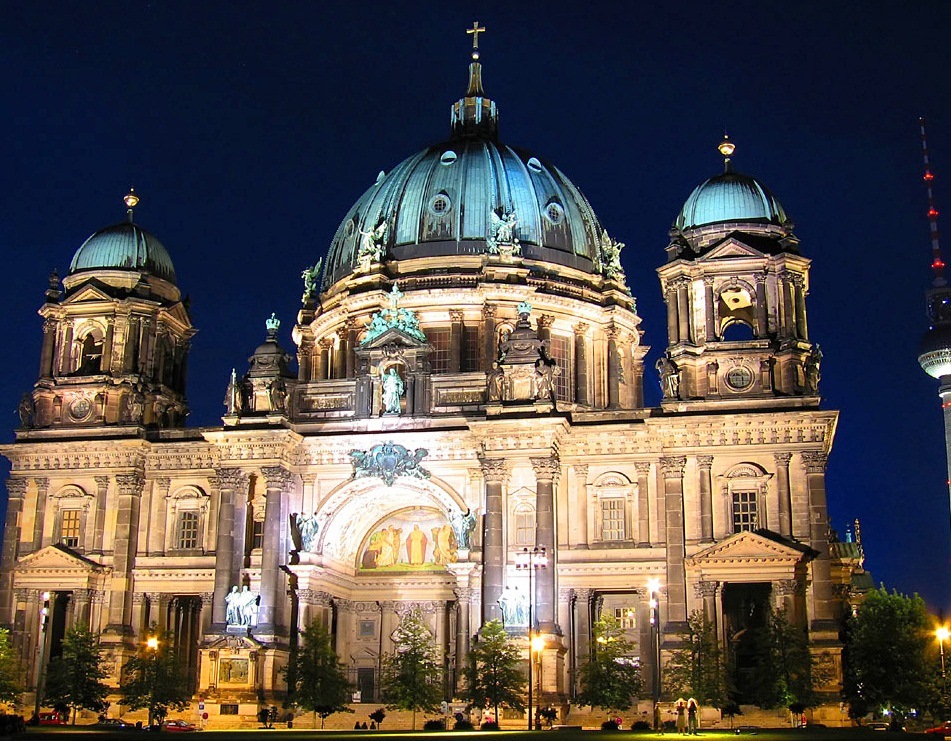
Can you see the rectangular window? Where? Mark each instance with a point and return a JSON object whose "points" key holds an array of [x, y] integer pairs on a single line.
{"points": [[612, 519], [257, 534], [439, 357], [228, 709], [524, 528], [367, 628], [559, 350], [69, 528], [188, 531], [625, 617], [744, 511], [471, 350]]}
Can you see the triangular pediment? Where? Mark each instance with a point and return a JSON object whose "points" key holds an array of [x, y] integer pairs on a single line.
{"points": [[59, 558], [749, 547], [234, 643], [731, 247], [89, 292], [392, 336]]}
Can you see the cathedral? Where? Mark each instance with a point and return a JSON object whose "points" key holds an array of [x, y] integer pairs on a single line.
{"points": [[459, 431]]}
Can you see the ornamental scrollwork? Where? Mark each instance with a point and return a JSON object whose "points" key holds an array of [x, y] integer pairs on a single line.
{"points": [[388, 461]]}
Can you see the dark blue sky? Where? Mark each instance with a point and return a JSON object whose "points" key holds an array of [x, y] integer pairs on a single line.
{"points": [[249, 129]]}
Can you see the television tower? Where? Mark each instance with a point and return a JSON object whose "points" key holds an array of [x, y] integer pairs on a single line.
{"points": [[935, 353]]}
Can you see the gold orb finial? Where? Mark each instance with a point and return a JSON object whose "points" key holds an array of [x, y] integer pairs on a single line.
{"points": [[131, 199], [726, 147]]}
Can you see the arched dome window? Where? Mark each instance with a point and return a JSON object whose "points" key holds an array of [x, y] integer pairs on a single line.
{"points": [[87, 352]]}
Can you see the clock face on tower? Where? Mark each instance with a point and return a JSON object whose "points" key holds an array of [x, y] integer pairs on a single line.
{"points": [[739, 378]]}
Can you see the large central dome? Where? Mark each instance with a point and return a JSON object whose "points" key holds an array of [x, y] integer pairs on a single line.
{"points": [[446, 200]]}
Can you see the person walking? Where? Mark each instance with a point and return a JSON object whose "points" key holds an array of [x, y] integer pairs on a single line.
{"points": [[658, 722], [681, 718]]}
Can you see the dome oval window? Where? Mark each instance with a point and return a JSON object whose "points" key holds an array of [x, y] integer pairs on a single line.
{"points": [[554, 213], [348, 229], [448, 157], [534, 165], [440, 204]]}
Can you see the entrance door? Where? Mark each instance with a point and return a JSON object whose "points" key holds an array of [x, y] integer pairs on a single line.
{"points": [[745, 615], [365, 684]]}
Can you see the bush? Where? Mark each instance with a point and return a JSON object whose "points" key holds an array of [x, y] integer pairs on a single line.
{"points": [[610, 725], [640, 725], [462, 724], [489, 726], [434, 724]]}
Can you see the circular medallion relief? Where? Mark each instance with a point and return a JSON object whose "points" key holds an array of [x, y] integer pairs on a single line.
{"points": [[739, 378], [80, 408]]}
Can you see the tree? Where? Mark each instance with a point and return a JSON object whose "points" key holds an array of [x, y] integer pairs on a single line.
{"points": [[10, 671], [411, 676], [154, 679], [610, 678], [785, 673], [885, 657], [494, 673], [316, 679], [697, 669], [75, 678]]}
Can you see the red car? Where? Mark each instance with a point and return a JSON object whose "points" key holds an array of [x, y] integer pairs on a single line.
{"points": [[53, 719], [175, 726], [943, 730]]}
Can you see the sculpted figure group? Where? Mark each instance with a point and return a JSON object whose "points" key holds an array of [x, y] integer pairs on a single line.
{"points": [[242, 607]]}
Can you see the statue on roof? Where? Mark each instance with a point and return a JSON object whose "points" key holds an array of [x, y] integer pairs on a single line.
{"points": [[609, 262], [394, 316], [371, 246], [501, 239], [310, 276]]}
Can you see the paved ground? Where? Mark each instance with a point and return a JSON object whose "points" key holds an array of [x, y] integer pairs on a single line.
{"points": [[811, 734]]}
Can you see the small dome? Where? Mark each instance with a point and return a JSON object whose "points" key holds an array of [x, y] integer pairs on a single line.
{"points": [[124, 246], [730, 197]]}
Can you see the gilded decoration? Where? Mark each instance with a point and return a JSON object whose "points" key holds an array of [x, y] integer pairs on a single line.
{"points": [[388, 461]]}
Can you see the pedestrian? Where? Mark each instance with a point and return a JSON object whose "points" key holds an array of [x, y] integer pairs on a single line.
{"points": [[693, 726], [681, 717], [658, 721]]}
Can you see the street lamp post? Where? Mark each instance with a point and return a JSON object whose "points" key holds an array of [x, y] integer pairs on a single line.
{"points": [[152, 644], [532, 560], [41, 669], [653, 588], [942, 634]]}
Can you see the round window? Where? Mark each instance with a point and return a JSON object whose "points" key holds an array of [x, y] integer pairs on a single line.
{"points": [[534, 165], [448, 157], [440, 204], [555, 213], [739, 378]]}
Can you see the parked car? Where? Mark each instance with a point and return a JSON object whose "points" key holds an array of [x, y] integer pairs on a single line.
{"points": [[179, 726], [53, 719], [943, 730], [115, 724]]}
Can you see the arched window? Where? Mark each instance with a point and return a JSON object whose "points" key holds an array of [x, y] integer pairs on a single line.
{"points": [[614, 502], [187, 515], [746, 487]]}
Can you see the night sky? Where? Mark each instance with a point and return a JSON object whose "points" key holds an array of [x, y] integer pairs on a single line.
{"points": [[248, 130]]}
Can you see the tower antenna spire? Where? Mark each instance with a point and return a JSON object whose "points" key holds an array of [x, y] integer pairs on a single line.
{"points": [[937, 264]]}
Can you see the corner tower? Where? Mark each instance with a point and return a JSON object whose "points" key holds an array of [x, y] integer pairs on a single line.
{"points": [[735, 287], [115, 337]]}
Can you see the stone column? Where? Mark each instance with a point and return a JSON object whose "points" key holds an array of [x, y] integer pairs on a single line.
{"points": [[547, 471], [305, 359], [676, 587], [705, 464], [709, 315], [683, 309], [139, 616], [643, 505], [762, 317], [50, 327], [490, 347], [495, 473], [583, 622], [544, 327], [463, 601], [340, 358], [129, 486], [233, 485], [707, 591], [16, 491], [159, 507], [823, 611], [786, 287], [352, 330], [455, 340], [581, 508], [323, 358], [614, 380], [783, 491], [272, 581], [65, 348], [799, 298], [581, 364], [673, 322], [42, 491], [99, 528]]}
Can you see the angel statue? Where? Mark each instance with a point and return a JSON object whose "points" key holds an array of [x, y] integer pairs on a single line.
{"points": [[371, 246], [310, 275], [502, 239]]}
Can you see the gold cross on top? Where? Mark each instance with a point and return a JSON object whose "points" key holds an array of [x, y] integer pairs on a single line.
{"points": [[475, 31]]}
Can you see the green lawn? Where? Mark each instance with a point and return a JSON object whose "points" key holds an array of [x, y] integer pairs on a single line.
{"points": [[812, 734]]}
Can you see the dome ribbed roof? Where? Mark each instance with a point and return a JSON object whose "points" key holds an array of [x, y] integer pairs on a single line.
{"points": [[124, 246], [730, 197], [440, 201]]}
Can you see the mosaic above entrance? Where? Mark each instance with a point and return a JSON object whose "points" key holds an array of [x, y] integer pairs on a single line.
{"points": [[416, 539]]}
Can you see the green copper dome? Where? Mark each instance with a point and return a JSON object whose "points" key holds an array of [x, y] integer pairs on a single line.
{"points": [[124, 246], [730, 197]]}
